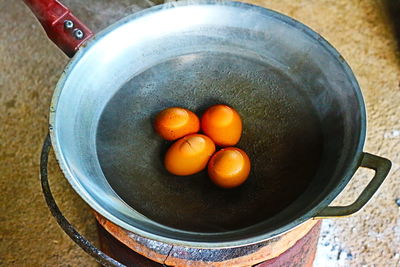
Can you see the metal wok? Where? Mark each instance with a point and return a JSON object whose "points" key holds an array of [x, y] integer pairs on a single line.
{"points": [[303, 113]]}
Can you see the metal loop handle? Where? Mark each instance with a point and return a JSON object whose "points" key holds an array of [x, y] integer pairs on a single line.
{"points": [[381, 166], [88, 247]]}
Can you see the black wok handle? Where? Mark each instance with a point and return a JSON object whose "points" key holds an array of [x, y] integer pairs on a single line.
{"points": [[381, 166], [88, 247]]}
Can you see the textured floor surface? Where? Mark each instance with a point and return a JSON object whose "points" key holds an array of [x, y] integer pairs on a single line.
{"points": [[30, 66]]}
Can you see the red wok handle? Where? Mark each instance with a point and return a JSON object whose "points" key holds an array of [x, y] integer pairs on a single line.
{"points": [[61, 26]]}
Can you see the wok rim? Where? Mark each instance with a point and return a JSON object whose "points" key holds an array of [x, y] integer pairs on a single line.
{"points": [[352, 167]]}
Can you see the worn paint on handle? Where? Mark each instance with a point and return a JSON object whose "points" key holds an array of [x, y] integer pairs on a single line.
{"points": [[61, 26]]}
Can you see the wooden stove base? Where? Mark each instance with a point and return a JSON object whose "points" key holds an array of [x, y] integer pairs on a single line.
{"points": [[296, 248], [115, 249]]}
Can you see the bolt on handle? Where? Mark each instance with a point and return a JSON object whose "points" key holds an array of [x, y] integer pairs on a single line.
{"points": [[61, 26]]}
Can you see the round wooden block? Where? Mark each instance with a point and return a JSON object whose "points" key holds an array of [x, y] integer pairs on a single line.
{"points": [[273, 250]]}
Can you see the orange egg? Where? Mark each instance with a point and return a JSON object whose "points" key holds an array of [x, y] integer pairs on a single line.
{"points": [[229, 167], [189, 154], [222, 124], [174, 123]]}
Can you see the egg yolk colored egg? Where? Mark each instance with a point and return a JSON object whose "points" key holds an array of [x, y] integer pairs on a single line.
{"points": [[174, 123], [222, 124], [189, 154], [229, 167]]}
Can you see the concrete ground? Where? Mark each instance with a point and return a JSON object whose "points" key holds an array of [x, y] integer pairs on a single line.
{"points": [[30, 65]]}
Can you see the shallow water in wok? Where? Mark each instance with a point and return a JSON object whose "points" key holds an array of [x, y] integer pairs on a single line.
{"points": [[281, 133]]}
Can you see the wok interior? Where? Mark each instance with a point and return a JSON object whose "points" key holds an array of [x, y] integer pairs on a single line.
{"points": [[297, 101], [282, 136]]}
